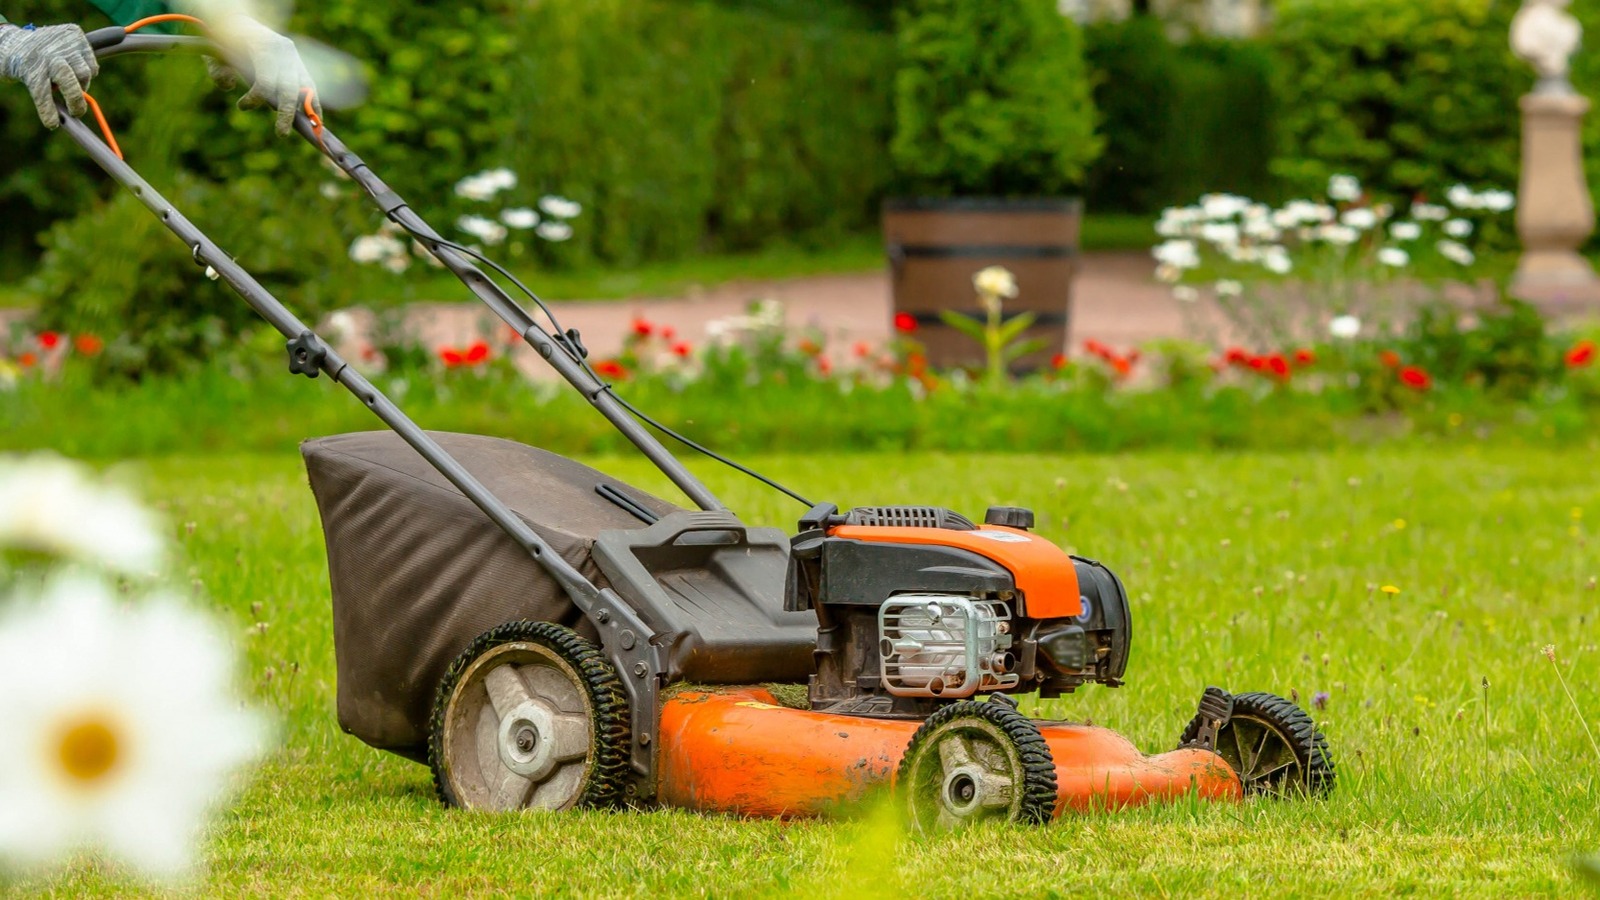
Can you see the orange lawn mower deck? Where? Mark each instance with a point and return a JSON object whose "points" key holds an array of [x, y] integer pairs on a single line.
{"points": [[545, 636]]}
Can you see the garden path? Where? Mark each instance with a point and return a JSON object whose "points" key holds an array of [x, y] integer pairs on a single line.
{"points": [[1115, 301]]}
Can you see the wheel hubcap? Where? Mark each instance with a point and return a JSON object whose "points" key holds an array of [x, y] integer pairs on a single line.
{"points": [[966, 774]]}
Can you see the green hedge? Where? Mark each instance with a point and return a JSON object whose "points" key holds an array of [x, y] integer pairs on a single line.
{"points": [[1411, 97], [1179, 119]]}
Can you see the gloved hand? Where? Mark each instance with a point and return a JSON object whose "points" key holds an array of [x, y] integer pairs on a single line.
{"points": [[280, 75], [53, 55]]}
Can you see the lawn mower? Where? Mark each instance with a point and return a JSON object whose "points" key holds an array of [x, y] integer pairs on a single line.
{"points": [[544, 636]]}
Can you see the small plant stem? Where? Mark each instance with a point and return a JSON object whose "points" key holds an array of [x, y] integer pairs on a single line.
{"points": [[996, 352], [1486, 729], [1574, 701]]}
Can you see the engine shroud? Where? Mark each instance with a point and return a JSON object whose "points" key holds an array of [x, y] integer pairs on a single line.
{"points": [[875, 595]]}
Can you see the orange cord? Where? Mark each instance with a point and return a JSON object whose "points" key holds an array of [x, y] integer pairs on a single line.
{"points": [[164, 17], [316, 120], [105, 127]]}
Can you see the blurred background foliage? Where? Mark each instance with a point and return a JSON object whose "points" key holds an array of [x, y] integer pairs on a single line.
{"points": [[691, 127]]}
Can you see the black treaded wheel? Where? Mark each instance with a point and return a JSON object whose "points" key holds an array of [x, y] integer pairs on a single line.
{"points": [[1272, 744], [529, 716], [972, 761]]}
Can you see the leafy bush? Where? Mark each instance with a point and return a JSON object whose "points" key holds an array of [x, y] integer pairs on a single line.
{"points": [[1410, 97], [1179, 119], [991, 98]]}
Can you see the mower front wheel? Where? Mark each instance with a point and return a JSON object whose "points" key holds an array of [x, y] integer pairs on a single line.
{"points": [[972, 761], [529, 716]]}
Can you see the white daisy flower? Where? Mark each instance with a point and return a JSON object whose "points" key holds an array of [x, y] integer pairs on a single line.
{"points": [[1276, 259], [1458, 228], [1359, 219], [1344, 188], [1183, 293], [1405, 231], [1430, 212], [995, 281], [1497, 201], [1229, 288], [553, 231], [1223, 234], [373, 248], [120, 730], [1338, 235], [1393, 256], [487, 230], [1456, 253], [48, 505], [1179, 254], [1462, 197], [520, 217], [1344, 327], [1223, 206], [560, 207]]}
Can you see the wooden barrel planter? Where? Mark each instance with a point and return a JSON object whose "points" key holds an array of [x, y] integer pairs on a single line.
{"points": [[936, 246]]}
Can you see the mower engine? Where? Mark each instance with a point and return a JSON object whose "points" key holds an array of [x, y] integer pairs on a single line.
{"points": [[917, 607]]}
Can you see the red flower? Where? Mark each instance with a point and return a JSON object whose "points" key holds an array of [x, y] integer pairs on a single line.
{"points": [[1121, 364], [509, 335], [610, 368], [1094, 347], [1390, 359], [668, 332], [1237, 356], [905, 323], [917, 364], [862, 348], [1414, 377], [1304, 357], [451, 357], [1058, 362], [682, 348], [1278, 366], [88, 344], [809, 347], [1580, 355], [642, 328], [28, 360], [1259, 363], [369, 353], [824, 365], [49, 340], [476, 353]]}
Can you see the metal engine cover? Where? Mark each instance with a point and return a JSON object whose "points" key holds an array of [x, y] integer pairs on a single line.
{"points": [[944, 645]]}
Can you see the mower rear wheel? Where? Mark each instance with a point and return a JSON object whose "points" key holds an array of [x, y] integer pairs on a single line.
{"points": [[973, 761], [1272, 744], [529, 716]]}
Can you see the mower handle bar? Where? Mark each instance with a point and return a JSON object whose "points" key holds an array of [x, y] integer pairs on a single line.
{"points": [[310, 355]]}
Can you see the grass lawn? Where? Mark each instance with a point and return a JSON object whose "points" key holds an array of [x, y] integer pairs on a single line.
{"points": [[1250, 571]]}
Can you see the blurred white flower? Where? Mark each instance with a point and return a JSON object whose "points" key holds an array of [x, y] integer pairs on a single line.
{"points": [[1262, 229], [1456, 253], [48, 505], [1180, 254], [1338, 235], [341, 326], [1462, 197], [484, 185], [1222, 234], [1344, 327], [487, 230], [1458, 228], [995, 281], [520, 217], [1360, 219], [1405, 231], [329, 190], [553, 231], [560, 207], [1223, 206], [1276, 259], [1305, 212], [398, 263], [1429, 212], [1497, 201], [1393, 256], [1344, 188], [373, 248], [1229, 288], [1168, 273], [1185, 294], [120, 732]]}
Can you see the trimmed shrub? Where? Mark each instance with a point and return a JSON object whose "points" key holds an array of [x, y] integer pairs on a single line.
{"points": [[1179, 120], [1410, 97], [991, 99]]}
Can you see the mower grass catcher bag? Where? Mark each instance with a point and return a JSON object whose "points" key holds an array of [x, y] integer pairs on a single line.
{"points": [[418, 571]]}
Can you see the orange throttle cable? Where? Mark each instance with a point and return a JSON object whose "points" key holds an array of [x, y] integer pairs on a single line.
{"points": [[164, 17], [105, 128], [314, 118]]}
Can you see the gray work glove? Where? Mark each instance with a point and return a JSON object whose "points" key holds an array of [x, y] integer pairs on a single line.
{"points": [[56, 55], [280, 76]]}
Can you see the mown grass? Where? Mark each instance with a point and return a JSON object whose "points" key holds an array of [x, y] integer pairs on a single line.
{"points": [[1254, 571]]}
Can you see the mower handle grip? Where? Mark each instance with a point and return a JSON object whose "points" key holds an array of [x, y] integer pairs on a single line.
{"points": [[115, 41]]}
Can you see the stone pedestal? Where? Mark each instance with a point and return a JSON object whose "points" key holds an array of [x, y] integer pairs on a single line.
{"points": [[1554, 212]]}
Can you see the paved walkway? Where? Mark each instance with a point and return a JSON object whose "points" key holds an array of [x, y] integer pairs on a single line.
{"points": [[1115, 300]]}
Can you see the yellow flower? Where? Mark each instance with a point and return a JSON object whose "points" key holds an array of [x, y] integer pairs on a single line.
{"points": [[1399, 524], [1389, 589]]}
